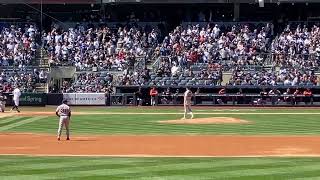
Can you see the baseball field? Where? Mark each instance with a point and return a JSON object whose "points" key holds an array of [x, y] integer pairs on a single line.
{"points": [[153, 143]]}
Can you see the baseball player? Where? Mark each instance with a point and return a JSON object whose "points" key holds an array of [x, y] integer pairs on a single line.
{"points": [[16, 98], [187, 103], [64, 113]]}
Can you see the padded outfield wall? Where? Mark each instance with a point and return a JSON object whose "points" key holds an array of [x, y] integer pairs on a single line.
{"points": [[128, 96]]}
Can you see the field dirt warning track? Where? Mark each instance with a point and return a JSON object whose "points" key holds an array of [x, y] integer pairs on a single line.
{"points": [[160, 145]]}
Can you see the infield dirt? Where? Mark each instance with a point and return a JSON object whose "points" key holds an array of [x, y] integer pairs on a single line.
{"points": [[160, 145]]}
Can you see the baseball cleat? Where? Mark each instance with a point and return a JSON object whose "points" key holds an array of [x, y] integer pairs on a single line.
{"points": [[68, 139], [58, 139]]}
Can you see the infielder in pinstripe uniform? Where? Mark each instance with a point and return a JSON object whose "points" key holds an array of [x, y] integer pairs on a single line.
{"points": [[64, 113], [16, 98]]}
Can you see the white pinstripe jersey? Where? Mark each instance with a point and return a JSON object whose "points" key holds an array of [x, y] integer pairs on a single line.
{"points": [[187, 97], [63, 110]]}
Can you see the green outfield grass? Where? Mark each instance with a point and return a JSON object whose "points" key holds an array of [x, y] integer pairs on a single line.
{"points": [[277, 124], [77, 168]]}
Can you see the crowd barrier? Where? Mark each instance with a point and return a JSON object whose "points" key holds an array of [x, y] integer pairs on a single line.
{"points": [[130, 99]]}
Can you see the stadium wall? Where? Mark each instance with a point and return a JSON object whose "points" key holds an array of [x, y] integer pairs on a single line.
{"points": [[173, 99]]}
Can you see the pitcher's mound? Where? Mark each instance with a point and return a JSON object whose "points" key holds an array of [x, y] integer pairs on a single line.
{"points": [[212, 120]]}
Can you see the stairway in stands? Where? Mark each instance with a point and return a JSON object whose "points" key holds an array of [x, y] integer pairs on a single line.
{"points": [[42, 58], [43, 63]]}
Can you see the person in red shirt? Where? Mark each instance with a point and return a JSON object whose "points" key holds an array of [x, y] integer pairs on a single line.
{"points": [[153, 94], [194, 56], [221, 99], [307, 96], [121, 55]]}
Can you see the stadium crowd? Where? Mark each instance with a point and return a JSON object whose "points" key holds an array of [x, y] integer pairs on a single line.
{"points": [[233, 48], [88, 82], [25, 79], [198, 54], [296, 53], [287, 77], [297, 47], [102, 48], [18, 46]]}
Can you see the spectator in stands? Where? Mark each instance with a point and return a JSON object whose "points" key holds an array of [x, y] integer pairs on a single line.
{"points": [[43, 76]]}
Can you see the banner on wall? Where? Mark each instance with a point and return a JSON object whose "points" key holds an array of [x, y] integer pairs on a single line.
{"points": [[28, 99], [85, 98]]}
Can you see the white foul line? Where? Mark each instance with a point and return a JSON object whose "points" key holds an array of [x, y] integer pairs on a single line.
{"points": [[204, 113], [163, 156]]}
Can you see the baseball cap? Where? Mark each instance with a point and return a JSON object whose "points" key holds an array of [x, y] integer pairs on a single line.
{"points": [[64, 101]]}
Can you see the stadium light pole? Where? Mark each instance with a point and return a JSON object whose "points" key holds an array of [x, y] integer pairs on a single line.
{"points": [[41, 17], [41, 29], [261, 3]]}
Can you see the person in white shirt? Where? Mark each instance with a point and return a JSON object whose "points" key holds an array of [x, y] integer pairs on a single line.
{"points": [[16, 99], [64, 113], [174, 70]]}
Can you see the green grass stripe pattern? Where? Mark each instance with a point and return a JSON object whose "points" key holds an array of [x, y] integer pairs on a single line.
{"points": [[148, 124], [12, 120], [20, 123], [22, 167], [9, 119]]}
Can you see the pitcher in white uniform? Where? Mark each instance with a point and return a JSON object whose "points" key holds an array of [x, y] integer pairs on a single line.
{"points": [[64, 113], [187, 103], [16, 98]]}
